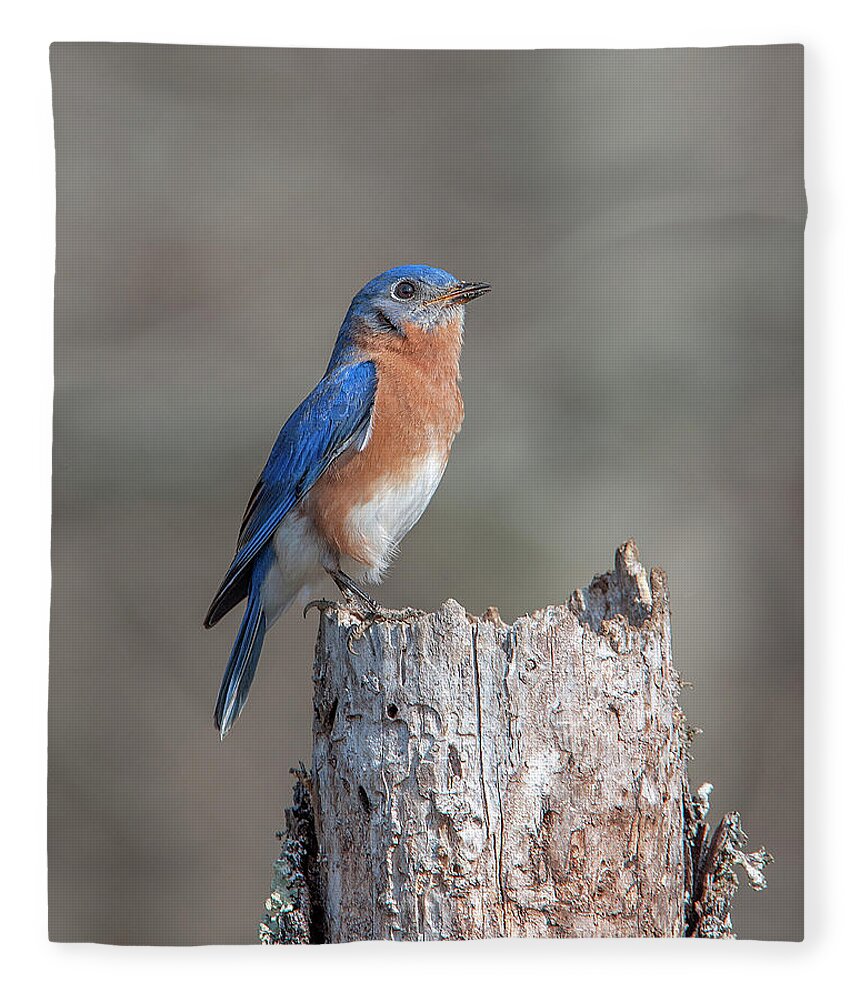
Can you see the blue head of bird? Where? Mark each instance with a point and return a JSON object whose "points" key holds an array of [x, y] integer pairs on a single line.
{"points": [[411, 307]]}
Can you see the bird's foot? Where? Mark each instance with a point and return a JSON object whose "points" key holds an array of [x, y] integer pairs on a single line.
{"points": [[367, 614], [377, 616]]}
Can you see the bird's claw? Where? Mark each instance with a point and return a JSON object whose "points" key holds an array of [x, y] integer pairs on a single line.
{"points": [[320, 605], [357, 629], [355, 632]]}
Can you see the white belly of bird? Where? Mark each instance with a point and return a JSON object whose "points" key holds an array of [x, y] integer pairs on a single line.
{"points": [[382, 522], [298, 554]]}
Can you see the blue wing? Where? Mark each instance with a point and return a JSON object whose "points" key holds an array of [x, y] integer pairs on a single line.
{"points": [[334, 416]]}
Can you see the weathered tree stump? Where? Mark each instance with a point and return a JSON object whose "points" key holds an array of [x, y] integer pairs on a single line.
{"points": [[473, 779]]}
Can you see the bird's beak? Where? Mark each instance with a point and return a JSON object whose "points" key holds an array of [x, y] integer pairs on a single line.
{"points": [[461, 293]]}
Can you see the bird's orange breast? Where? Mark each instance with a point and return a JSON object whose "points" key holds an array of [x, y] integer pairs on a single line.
{"points": [[417, 412]]}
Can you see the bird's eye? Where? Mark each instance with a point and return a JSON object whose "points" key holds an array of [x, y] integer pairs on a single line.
{"points": [[404, 290]]}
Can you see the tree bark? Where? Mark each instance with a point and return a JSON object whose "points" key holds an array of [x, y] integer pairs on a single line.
{"points": [[473, 779]]}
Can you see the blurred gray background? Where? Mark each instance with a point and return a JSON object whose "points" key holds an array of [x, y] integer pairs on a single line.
{"points": [[636, 371]]}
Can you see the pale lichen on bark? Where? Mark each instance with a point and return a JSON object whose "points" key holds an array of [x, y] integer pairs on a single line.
{"points": [[712, 878], [474, 779], [292, 914]]}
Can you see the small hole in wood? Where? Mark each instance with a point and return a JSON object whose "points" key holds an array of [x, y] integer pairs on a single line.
{"points": [[329, 719], [363, 799], [392, 711], [454, 761]]}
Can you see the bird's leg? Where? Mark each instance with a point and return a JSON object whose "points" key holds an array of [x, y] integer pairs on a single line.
{"points": [[349, 588], [351, 591]]}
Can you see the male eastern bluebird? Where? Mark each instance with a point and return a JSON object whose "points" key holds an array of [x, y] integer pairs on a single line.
{"points": [[355, 466]]}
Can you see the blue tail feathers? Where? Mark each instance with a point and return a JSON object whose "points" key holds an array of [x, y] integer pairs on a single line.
{"points": [[245, 654]]}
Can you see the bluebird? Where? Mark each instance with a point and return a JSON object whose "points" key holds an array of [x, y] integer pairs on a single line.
{"points": [[354, 467]]}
